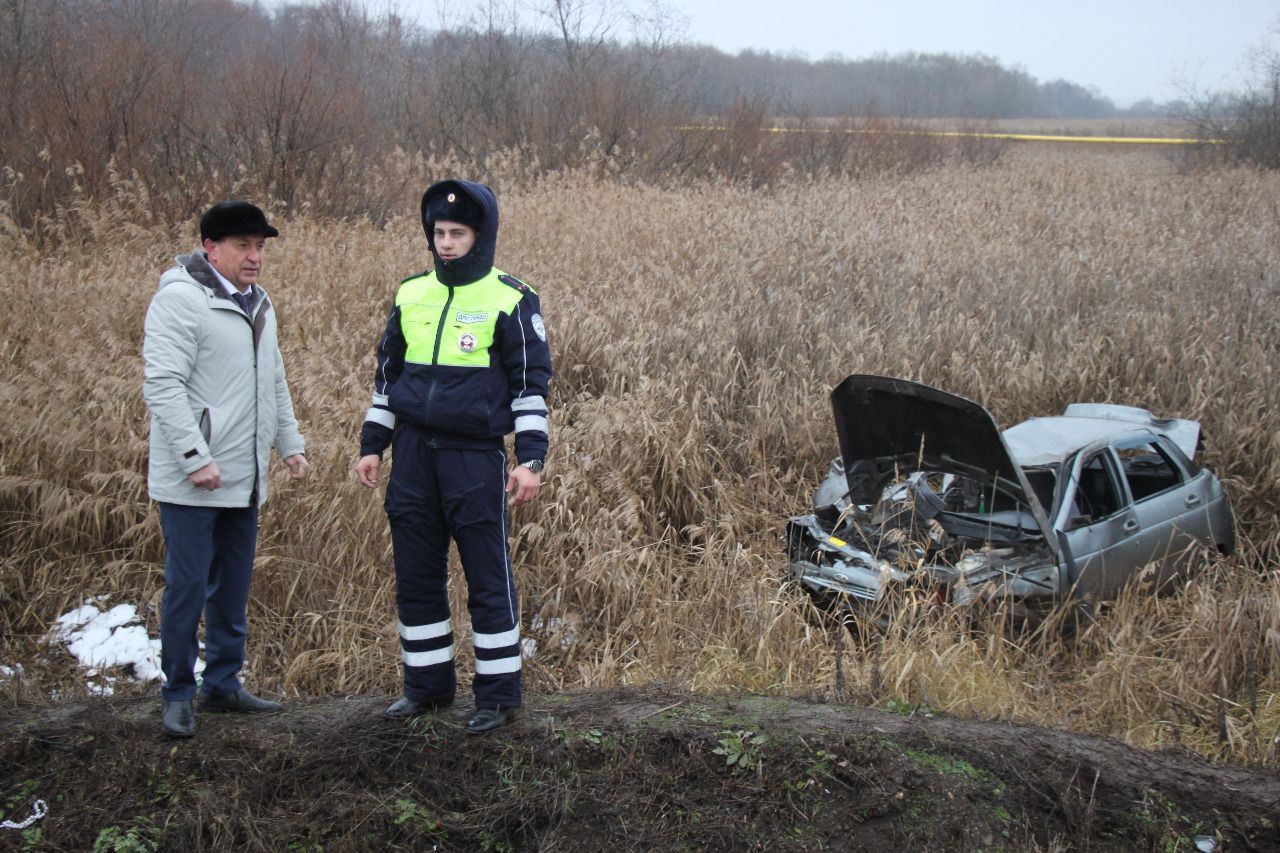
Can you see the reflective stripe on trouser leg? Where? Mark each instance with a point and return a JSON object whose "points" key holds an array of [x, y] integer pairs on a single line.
{"points": [[420, 540], [475, 501]]}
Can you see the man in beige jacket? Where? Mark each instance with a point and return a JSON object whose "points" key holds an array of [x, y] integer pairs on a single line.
{"points": [[215, 385]]}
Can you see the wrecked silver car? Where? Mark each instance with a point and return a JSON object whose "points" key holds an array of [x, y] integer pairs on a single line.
{"points": [[928, 493]]}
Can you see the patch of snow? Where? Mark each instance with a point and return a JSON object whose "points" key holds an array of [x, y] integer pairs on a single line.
{"points": [[106, 639], [552, 626], [556, 625], [103, 689]]}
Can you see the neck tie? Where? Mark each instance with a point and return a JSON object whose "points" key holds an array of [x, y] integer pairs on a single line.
{"points": [[242, 299]]}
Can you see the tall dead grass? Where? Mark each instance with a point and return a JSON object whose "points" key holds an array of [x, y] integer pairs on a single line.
{"points": [[697, 330]]}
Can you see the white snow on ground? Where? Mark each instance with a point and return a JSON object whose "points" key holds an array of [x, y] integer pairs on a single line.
{"points": [[104, 640], [563, 629], [114, 639]]}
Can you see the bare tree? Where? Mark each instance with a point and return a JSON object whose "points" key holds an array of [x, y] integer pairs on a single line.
{"points": [[1241, 127], [1255, 130]]}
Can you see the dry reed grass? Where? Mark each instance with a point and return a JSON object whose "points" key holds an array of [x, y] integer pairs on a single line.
{"points": [[697, 330]]}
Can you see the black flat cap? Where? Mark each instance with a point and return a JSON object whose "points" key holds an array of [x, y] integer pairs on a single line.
{"points": [[234, 217]]}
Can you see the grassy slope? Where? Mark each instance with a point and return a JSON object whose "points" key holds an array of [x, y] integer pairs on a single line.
{"points": [[697, 329]]}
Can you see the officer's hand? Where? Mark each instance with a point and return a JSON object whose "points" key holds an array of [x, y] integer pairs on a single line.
{"points": [[367, 470], [208, 477], [298, 466], [523, 485]]}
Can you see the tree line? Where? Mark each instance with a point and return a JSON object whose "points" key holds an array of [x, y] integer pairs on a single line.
{"points": [[324, 104], [913, 85]]}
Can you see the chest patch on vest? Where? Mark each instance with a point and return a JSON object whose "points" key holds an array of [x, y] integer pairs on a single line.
{"points": [[467, 343], [513, 282], [472, 317]]}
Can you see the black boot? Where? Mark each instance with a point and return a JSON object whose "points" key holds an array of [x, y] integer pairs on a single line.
{"points": [[488, 719], [404, 707], [240, 702], [179, 718]]}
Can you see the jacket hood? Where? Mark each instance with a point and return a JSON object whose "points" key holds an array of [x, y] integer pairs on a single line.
{"points": [[890, 425], [193, 267], [196, 268], [477, 263]]}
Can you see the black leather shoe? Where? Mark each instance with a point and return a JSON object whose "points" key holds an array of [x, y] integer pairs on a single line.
{"points": [[488, 719], [179, 718], [404, 707], [240, 702]]}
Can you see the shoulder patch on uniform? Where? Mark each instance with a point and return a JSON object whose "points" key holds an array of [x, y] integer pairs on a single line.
{"points": [[512, 281]]}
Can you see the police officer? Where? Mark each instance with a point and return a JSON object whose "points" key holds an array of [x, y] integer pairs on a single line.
{"points": [[463, 362]]}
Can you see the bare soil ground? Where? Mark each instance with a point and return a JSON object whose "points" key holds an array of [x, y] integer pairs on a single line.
{"points": [[621, 770]]}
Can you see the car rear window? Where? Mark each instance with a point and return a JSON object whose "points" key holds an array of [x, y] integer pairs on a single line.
{"points": [[1147, 469]]}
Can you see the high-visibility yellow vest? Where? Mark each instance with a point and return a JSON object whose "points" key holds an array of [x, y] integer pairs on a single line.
{"points": [[454, 325]]}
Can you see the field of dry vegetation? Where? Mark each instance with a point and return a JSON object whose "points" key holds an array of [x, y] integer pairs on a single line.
{"points": [[697, 330]]}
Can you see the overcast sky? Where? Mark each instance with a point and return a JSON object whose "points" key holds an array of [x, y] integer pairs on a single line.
{"points": [[1127, 49]]}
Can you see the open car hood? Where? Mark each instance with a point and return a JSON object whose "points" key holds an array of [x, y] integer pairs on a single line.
{"points": [[889, 427]]}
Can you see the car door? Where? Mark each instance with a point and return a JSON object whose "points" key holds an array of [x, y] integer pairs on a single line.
{"points": [[1098, 525], [1169, 504]]}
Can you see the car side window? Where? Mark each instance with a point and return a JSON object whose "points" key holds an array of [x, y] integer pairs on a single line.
{"points": [[1147, 468], [1097, 495]]}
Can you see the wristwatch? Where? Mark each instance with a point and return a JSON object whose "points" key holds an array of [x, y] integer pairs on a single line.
{"points": [[534, 465]]}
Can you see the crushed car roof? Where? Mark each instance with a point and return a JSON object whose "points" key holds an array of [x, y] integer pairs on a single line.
{"points": [[1050, 440]]}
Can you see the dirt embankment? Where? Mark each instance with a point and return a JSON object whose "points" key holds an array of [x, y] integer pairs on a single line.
{"points": [[638, 770]]}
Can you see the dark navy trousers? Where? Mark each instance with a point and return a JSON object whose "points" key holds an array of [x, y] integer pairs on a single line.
{"points": [[434, 495], [207, 569]]}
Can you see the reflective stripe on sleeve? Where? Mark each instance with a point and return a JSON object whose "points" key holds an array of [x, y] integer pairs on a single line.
{"points": [[428, 658], [524, 404], [498, 667], [382, 417], [531, 423], [381, 400], [425, 632]]}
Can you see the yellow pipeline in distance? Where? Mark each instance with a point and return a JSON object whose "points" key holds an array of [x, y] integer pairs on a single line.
{"points": [[1019, 137]]}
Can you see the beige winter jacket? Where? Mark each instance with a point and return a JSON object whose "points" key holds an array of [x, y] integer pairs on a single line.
{"points": [[214, 382]]}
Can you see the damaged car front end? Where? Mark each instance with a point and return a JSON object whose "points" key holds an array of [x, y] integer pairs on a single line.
{"points": [[928, 495]]}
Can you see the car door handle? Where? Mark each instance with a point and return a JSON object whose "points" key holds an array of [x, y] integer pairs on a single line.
{"points": [[1131, 525], [1192, 500]]}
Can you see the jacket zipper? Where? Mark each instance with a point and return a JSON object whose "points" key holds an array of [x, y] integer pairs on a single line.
{"points": [[253, 495], [435, 353]]}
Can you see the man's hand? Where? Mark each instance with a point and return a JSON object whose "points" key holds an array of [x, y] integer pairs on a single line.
{"points": [[367, 470], [298, 466], [208, 477], [523, 485]]}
